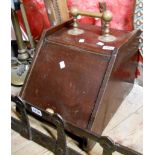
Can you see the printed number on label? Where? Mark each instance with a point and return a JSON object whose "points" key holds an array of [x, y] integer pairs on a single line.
{"points": [[36, 111], [108, 47]]}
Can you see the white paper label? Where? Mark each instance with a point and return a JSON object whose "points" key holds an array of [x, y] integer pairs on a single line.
{"points": [[79, 17], [81, 40], [62, 64], [108, 47], [100, 43], [36, 111], [96, 18]]}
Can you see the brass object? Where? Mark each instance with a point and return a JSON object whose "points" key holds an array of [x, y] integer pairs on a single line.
{"points": [[75, 30], [20, 66], [23, 54], [18, 74], [106, 37], [27, 27], [106, 17], [75, 12]]}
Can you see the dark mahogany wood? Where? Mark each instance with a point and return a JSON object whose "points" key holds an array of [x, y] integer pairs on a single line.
{"points": [[81, 91]]}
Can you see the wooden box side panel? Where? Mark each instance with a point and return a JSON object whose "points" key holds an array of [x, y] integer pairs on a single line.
{"points": [[122, 63], [123, 72], [115, 86]]}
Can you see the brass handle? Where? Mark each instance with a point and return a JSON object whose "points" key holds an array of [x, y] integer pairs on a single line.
{"points": [[75, 12], [106, 37], [106, 16]]}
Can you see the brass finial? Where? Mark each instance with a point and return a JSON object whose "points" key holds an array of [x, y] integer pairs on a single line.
{"points": [[107, 16], [74, 11], [75, 31], [106, 37]]}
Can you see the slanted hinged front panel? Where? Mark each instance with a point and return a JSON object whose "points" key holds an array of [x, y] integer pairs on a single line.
{"points": [[67, 80]]}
